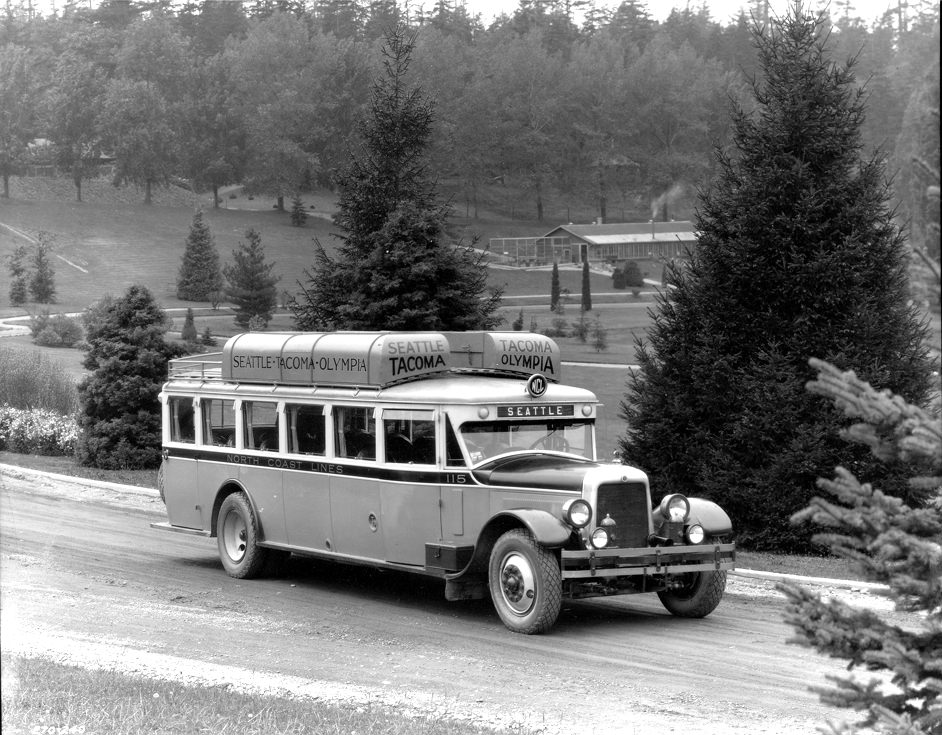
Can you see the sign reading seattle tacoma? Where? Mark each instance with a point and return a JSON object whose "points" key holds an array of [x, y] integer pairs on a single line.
{"points": [[379, 358]]}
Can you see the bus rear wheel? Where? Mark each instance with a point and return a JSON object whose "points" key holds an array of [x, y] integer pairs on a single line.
{"points": [[237, 538], [525, 583]]}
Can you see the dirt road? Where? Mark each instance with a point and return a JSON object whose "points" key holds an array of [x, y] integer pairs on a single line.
{"points": [[85, 579]]}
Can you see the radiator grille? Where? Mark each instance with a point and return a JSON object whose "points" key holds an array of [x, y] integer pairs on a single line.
{"points": [[627, 504]]}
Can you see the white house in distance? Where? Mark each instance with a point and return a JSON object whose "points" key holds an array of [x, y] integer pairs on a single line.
{"points": [[598, 243]]}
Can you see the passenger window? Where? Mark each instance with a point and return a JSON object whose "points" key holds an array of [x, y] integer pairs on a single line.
{"points": [[182, 425], [260, 427], [353, 435], [409, 436], [218, 422], [306, 429]]}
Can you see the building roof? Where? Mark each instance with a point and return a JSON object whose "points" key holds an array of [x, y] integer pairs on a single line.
{"points": [[628, 232]]}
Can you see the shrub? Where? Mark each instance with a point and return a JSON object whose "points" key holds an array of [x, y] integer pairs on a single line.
{"points": [[32, 380], [48, 338], [37, 431], [518, 322], [58, 330]]}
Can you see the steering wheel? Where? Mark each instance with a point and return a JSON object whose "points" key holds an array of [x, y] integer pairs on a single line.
{"points": [[552, 442]]}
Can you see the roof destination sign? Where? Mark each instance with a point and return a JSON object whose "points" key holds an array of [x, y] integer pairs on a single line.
{"points": [[381, 358]]}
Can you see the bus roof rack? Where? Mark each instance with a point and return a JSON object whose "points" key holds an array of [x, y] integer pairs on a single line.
{"points": [[370, 359]]}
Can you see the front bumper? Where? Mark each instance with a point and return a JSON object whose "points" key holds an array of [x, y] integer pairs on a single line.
{"points": [[648, 561]]}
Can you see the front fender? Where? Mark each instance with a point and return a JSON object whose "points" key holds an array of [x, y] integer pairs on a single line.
{"points": [[708, 514], [546, 528]]}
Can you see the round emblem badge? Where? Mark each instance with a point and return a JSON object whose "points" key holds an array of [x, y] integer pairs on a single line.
{"points": [[536, 385]]}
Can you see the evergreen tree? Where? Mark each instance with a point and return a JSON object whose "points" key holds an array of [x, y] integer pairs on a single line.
{"points": [[798, 255], [19, 281], [586, 288], [892, 543], [200, 278], [554, 287], [42, 284], [188, 333], [599, 335], [251, 286], [298, 215], [395, 268], [127, 357]]}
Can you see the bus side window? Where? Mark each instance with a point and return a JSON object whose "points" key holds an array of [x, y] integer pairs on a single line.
{"points": [[261, 425], [409, 436], [182, 425], [218, 422], [352, 438], [306, 429]]}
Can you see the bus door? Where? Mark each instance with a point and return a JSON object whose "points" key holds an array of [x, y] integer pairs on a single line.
{"points": [[179, 470], [305, 482], [355, 510], [410, 491]]}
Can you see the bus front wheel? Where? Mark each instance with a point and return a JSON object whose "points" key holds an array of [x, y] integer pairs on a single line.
{"points": [[525, 583], [237, 538]]}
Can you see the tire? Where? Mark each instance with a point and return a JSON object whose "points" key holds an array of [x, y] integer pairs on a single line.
{"points": [[237, 538], [525, 583], [701, 593]]}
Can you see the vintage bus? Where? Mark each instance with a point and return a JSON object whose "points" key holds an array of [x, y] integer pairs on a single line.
{"points": [[456, 455]]}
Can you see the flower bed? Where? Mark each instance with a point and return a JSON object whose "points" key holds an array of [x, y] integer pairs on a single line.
{"points": [[37, 431]]}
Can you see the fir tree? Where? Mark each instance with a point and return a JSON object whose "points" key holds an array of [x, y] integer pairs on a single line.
{"points": [[599, 335], [200, 278], [554, 287], [19, 280], [127, 357], [42, 284], [188, 333], [798, 255], [395, 268], [586, 288], [892, 543], [298, 214], [251, 286]]}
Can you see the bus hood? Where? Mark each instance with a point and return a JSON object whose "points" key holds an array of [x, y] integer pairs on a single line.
{"points": [[550, 471]]}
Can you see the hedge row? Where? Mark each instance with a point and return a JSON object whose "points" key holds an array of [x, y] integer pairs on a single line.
{"points": [[37, 431]]}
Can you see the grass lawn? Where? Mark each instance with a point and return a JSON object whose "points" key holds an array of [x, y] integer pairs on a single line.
{"points": [[41, 696]]}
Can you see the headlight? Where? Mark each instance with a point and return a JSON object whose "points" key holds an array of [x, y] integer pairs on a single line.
{"points": [[577, 513], [600, 538], [695, 534], [675, 508]]}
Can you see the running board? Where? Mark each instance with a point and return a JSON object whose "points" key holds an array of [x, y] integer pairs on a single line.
{"points": [[165, 526]]}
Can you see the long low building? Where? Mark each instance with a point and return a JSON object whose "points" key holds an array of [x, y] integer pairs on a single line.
{"points": [[598, 243]]}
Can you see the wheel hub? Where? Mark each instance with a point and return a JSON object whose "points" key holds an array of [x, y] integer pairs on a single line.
{"points": [[518, 583]]}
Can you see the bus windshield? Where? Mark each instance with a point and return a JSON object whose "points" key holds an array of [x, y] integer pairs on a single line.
{"points": [[487, 439]]}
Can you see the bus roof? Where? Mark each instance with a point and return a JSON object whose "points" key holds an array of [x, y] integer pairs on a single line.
{"points": [[370, 359]]}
